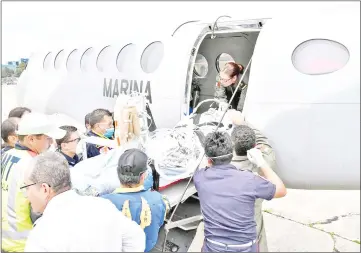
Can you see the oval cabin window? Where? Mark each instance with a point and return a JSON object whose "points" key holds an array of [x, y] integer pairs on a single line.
{"points": [[125, 58], [59, 59], [222, 59], [73, 63], [320, 56], [104, 60], [201, 66], [47, 61], [85, 62], [152, 57]]}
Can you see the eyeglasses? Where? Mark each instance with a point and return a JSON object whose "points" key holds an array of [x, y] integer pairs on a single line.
{"points": [[25, 187], [222, 80]]}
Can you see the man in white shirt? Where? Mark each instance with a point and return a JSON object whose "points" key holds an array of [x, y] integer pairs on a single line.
{"points": [[70, 222]]}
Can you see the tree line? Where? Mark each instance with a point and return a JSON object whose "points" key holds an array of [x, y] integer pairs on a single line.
{"points": [[6, 72]]}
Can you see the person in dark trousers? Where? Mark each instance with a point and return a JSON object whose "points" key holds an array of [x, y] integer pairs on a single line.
{"points": [[245, 137], [19, 112], [101, 124], [147, 208], [227, 196], [67, 145], [8, 133]]}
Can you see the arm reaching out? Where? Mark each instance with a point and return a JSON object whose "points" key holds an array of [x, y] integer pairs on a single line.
{"points": [[255, 156]]}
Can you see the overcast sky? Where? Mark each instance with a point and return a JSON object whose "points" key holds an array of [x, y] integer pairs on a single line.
{"points": [[32, 26]]}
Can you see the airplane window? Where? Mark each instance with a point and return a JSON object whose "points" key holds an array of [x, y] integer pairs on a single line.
{"points": [[222, 59], [104, 61], [59, 59], [152, 56], [72, 62], [320, 56], [85, 61], [201, 66], [126, 57], [47, 61]]}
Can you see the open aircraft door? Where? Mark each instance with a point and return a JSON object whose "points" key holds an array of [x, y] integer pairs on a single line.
{"points": [[199, 31], [304, 95]]}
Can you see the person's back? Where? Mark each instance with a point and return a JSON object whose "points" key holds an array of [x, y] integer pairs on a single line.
{"points": [[135, 200], [71, 222], [16, 222], [227, 197], [147, 208], [80, 224]]}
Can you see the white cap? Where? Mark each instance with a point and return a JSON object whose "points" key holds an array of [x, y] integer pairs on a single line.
{"points": [[39, 123]]}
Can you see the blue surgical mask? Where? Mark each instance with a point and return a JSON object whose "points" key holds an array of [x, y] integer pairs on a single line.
{"points": [[109, 133]]}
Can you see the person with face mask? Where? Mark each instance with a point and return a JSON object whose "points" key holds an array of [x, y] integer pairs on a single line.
{"points": [[227, 83], [68, 223], [227, 196], [35, 133], [101, 125], [67, 145], [8, 128]]}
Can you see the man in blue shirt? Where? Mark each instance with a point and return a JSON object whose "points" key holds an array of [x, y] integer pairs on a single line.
{"points": [[227, 196], [147, 208], [101, 124]]}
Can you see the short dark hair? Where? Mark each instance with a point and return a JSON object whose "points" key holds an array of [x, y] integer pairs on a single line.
{"points": [[244, 139], [18, 112], [97, 115], [219, 144], [8, 127], [87, 119], [69, 130]]}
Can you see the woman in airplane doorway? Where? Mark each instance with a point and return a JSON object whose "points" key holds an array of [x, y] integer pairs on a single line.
{"points": [[227, 81]]}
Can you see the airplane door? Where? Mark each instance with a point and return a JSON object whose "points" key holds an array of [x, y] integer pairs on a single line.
{"points": [[304, 95]]}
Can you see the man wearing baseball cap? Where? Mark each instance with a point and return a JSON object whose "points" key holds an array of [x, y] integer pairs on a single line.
{"points": [[35, 133], [147, 208]]}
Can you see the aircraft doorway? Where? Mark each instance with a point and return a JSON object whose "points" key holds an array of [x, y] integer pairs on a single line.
{"points": [[211, 58]]}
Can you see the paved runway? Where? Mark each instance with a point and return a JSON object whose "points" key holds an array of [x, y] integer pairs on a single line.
{"points": [[303, 221]]}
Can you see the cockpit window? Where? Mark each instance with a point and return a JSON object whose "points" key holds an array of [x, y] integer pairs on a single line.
{"points": [[320, 56], [222, 59], [85, 61], [47, 61], [152, 57], [201, 66]]}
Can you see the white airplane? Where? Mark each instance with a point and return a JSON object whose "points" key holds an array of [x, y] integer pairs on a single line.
{"points": [[303, 90], [303, 94]]}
